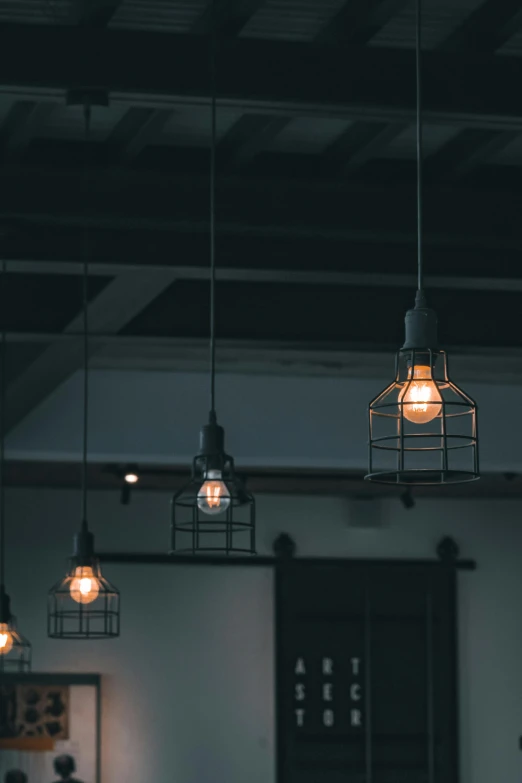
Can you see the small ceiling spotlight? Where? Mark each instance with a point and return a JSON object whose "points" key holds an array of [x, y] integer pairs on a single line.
{"points": [[131, 474], [407, 499], [131, 477]]}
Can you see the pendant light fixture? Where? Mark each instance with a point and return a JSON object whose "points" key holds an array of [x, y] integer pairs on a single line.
{"points": [[84, 605], [213, 512], [15, 650], [422, 427]]}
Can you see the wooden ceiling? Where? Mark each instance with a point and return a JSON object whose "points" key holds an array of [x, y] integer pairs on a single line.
{"points": [[316, 211]]}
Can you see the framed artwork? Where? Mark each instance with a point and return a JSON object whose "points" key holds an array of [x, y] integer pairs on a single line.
{"points": [[50, 727]]}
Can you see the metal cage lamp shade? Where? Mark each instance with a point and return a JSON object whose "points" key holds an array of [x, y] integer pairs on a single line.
{"points": [[83, 605], [213, 512], [15, 649], [422, 427]]}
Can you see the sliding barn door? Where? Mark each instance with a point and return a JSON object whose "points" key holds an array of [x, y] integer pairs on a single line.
{"points": [[366, 673]]}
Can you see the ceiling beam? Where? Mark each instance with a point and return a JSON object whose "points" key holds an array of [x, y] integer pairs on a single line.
{"points": [[167, 478], [485, 30], [227, 17], [55, 250], [359, 20], [272, 208], [178, 354], [472, 363], [319, 277], [93, 13], [110, 311], [296, 79], [488, 28]]}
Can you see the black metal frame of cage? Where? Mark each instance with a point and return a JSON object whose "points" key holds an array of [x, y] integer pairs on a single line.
{"points": [[408, 444], [199, 527], [69, 619]]}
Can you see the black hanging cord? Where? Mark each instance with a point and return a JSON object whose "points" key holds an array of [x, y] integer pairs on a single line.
{"points": [[418, 42], [85, 304], [2, 430], [213, 218]]}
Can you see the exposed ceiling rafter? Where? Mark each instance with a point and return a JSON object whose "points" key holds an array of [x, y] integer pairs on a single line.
{"points": [[273, 208], [172, 70]]}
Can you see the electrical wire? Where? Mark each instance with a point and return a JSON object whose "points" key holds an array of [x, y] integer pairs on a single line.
{"points": [[85, 304], [418, 43], [213, 215], [2, 428]]}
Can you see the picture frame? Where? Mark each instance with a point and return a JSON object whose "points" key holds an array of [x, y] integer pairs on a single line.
{"points": [[46, 715]]}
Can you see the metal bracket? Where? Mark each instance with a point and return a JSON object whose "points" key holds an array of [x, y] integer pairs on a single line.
{"points": [[448, 551], [284, 547]]}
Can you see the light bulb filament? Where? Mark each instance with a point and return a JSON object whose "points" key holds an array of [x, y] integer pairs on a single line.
{"points": [[213, 493], [84, 587], [213, 497], [420, 395]]}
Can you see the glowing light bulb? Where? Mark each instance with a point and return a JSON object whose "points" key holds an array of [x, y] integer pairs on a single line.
{"points": [[131, 478], [84, 586], [213, 497], [6, 639], [419, 396]]}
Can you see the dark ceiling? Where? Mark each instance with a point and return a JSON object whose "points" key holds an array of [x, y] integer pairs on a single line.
{"points": [[316, 174]]}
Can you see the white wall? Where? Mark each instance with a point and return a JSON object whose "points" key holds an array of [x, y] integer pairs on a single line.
{"points": [[188, 689], [282, 421]]}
